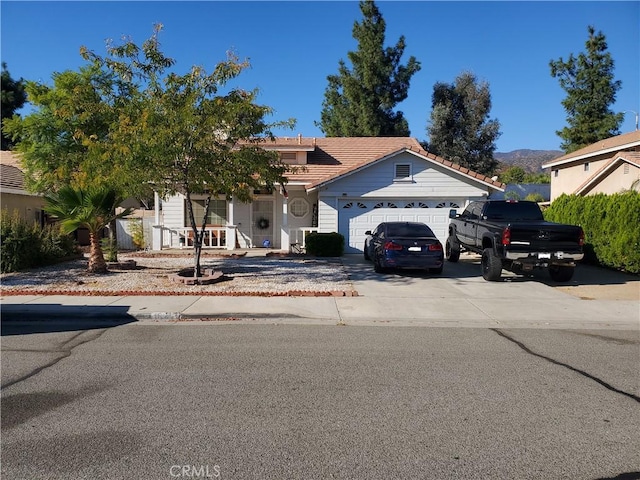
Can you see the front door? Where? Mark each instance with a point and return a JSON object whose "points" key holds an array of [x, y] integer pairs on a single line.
{"points": [[262, 226]]}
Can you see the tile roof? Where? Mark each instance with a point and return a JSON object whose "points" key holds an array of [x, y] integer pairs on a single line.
{"points": [[335, 157], [11, 175], [612, 144], [620, 157]]}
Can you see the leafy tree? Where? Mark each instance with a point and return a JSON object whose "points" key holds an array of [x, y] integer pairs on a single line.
{"points": [[591, 89], [13, 98], [360, 102], [513, 174], [517, 174], [459, 129], [92, 208], [70, 138], [197, 139]]}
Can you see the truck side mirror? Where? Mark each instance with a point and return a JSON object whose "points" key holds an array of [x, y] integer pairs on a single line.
{"points": [[453, 213]]}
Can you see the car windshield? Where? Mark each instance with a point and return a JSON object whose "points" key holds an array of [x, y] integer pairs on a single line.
{"points": [[409, 230]]}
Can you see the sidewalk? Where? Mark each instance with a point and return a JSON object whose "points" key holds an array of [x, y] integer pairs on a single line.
{"points": [[458, 298]]}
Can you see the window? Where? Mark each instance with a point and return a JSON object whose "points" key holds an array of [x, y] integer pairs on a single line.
{"points": [[586, 167], [288, 157], [403, 171], [555, 173], [625, 169], [299, 207], [447, 204], [351, 205], [217, 212]]}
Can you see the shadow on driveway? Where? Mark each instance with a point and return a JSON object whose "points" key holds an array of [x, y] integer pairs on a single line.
{"points": [[469, 267]]}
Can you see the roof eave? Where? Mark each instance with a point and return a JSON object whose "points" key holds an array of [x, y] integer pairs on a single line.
{"points": [[584, 156]]}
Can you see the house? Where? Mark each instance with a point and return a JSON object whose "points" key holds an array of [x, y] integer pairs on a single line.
{"points": [[13, 196], [608, 166], [345, 185]]}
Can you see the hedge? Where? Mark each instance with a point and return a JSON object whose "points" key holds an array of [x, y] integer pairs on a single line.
{"points": [[325, 244], [611, 224], [26, 245]]}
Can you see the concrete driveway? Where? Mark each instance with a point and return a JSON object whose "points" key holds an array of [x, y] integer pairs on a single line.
{"points": [[595, 298], [459, 297]]}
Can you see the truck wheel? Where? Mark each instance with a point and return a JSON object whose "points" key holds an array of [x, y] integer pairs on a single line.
{"points": [[491, 265], [452, 250], [561, 273]]}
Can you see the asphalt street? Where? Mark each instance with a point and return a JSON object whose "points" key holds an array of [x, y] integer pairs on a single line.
{"points": [[319, 401]]}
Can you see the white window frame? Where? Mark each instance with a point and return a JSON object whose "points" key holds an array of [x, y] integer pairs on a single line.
{"points": [[292, 207]]}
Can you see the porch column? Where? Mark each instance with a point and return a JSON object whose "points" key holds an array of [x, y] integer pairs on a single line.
{"points": [[231, 227], [156, 240], [284, 232]]}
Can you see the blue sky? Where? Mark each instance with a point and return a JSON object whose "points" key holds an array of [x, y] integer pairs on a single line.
{"points": [[293, 46]]}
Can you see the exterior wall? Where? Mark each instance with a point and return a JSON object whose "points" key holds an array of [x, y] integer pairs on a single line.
{"points": [[428, 181], [617, 180], [327, 213], [570, 177], [29, 207], [173, 211]]}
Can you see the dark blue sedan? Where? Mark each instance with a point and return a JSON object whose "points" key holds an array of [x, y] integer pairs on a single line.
{"points": [[410, 245]]}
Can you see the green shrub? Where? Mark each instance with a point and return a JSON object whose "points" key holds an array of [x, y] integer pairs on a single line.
{"points": [[611, 224], [25, 245], [325, 244]]}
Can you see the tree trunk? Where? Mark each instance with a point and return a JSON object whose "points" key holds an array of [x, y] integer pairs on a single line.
{"points": [[97, 263]]}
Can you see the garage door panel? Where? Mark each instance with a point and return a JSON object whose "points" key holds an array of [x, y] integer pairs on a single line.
{"points": [[354, 222]]}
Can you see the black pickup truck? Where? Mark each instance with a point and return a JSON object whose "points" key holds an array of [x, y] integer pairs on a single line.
{"points": [[513, 235]]}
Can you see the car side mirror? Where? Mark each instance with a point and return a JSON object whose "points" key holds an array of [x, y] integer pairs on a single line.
{"points": [[368, 232], [453, 213]]}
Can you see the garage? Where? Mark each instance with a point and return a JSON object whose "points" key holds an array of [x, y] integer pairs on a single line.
{"points": [[356, 216]]}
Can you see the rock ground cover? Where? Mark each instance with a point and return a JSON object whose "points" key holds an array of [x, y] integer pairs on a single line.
{"points": [[267, 276]]}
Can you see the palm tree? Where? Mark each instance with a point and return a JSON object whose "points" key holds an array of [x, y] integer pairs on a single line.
{"points": [[93, 209]]}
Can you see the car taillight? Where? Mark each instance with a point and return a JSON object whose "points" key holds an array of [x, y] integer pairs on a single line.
{"points": [[581, 238], [392, 246], [435, 247], [506, 236]]}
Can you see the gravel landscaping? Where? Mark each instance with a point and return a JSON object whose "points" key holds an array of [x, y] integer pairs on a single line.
{"points": [[255, 275]]}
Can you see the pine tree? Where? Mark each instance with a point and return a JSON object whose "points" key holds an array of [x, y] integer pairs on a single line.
{"points": [[460, 129], [360, 102], [591, 89]]}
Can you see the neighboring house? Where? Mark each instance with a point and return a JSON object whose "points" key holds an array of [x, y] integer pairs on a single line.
{"points": [[608, 166], [345, 185], [13, 196]]}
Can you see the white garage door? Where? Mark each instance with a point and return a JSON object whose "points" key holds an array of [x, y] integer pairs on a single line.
{"points": [[355, 217]]}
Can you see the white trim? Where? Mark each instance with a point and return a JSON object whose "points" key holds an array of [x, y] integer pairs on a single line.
{"points": [[602, 174], [406, 150], [615, 149]]}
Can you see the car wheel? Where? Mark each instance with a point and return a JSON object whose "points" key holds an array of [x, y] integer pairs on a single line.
{"points": [[366, 252], [561, 273], [452, 250], [491, 265], [377, 266]]}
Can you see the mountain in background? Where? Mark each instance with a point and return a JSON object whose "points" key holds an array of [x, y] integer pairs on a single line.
{"points": [[529, 160]]}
